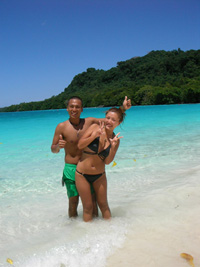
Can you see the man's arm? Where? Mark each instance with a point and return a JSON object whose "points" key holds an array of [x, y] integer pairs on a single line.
{"points": [[58, 141], [126, 105]]}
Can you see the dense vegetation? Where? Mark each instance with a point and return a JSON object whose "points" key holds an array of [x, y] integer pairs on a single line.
{"points": [[159, 77]]}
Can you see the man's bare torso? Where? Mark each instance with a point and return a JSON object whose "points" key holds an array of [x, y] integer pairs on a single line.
{"points": [[71, 134]]}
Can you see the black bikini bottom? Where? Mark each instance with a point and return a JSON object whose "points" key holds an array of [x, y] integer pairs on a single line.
{"points": [[91, 178]]}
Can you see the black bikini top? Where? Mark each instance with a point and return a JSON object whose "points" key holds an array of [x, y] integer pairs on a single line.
{"points": [[94, 146]]}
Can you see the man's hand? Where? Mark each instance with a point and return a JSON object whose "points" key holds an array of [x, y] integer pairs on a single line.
{"points": [[126, 103], [61, 142]]}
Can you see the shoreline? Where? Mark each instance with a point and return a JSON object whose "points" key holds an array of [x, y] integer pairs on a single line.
{"points": [[158, 236], [158, 247]]}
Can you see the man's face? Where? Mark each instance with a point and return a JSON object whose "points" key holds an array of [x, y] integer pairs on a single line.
{"points": [[74, 108]]}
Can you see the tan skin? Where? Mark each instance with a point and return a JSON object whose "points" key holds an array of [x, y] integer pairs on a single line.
{"points": [[67, 136], [93, 164]]}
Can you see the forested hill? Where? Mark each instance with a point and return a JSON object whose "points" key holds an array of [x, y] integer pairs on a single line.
{"points": [[159, 77]]}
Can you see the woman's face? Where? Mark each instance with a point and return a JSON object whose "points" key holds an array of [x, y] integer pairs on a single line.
{"points": [[112, 120]]}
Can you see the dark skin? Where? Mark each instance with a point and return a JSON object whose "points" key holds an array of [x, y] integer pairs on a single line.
{"points": [[67, 135]]}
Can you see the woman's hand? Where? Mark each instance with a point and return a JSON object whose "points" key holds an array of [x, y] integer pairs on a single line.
{"points": [[101, 129], [114, 141]]}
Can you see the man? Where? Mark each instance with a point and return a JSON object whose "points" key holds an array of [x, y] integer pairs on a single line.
{"points": [[66, 136]]}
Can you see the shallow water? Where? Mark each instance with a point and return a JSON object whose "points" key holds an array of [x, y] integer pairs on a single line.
{"points": [[153, 191]]}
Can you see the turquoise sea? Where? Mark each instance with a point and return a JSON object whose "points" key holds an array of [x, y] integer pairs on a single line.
{"points": [[153, 192]]}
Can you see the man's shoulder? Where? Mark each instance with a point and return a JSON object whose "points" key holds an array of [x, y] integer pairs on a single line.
{"points": [[63, 124]]}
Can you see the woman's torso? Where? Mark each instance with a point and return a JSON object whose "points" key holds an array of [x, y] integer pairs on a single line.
{"points": [[93, 156]]}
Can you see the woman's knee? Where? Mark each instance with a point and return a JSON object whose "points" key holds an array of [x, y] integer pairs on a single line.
{"points": [[103, 205], [88, 208]]}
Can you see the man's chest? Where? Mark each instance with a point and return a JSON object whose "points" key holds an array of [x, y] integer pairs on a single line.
{"points": [[73, 135]]}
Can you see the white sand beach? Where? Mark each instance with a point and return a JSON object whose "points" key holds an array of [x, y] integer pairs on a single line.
{"points": [[168, 227]]}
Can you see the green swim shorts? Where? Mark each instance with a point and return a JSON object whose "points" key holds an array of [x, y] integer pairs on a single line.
{"points": [[69, 180]]}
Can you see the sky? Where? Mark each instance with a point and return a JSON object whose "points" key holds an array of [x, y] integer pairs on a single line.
{"points": [[45, 43]]}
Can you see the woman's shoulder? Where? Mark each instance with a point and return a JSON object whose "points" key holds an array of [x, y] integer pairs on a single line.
{"points": [[90, 128]]}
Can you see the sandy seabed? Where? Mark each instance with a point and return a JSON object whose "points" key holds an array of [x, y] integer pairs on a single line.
{"points": [[158, 238]]}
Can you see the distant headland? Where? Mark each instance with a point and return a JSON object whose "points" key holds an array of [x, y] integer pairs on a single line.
{"points": [[160, 77]]}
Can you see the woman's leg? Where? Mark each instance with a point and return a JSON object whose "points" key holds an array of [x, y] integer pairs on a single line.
{"points": [[84, 191], [95, 212], [100, 187]]}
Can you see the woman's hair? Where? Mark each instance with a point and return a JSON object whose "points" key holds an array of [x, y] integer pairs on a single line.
{"points": [[121, 114]]}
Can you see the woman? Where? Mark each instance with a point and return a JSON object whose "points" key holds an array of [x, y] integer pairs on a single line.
{"points": [[99, 144]]}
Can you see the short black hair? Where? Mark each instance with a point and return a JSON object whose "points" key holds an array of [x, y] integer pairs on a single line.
{"points": [[74, 97]]}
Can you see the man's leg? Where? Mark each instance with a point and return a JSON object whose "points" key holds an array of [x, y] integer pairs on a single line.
{"points": [[73, 197], [73, 204], [69, 181]]}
